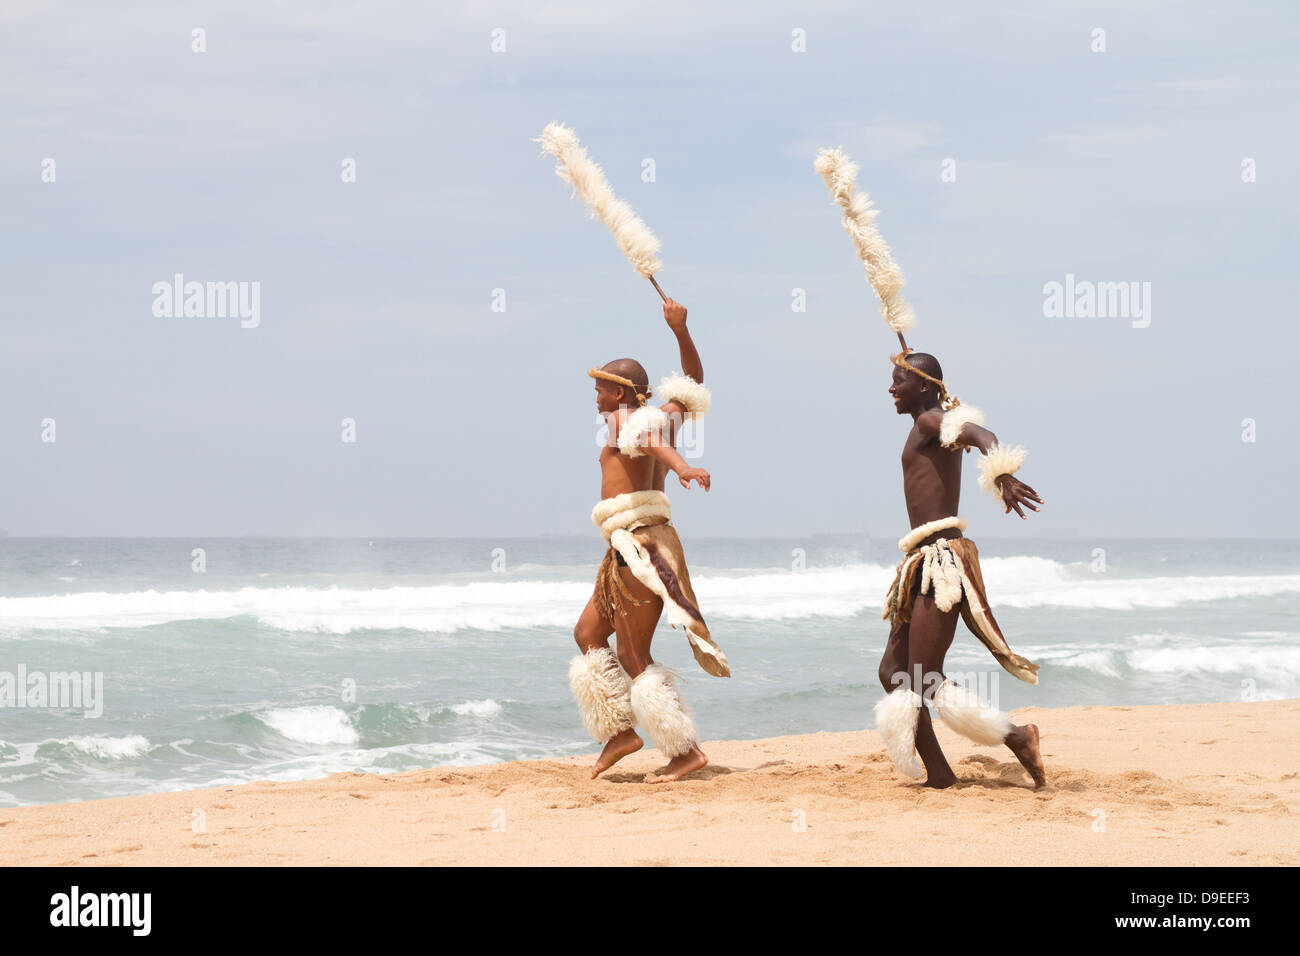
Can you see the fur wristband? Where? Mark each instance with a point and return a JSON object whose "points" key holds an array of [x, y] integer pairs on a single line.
{"points": [[997, 461]]}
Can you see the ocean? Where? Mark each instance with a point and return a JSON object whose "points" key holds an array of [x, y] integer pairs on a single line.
{"points": [[284, 659]]}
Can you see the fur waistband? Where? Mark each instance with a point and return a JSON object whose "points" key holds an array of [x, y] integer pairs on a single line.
{"points": [[917, 535], [629, 511]]}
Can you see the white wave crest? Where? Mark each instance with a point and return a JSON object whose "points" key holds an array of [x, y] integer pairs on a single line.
{"points": [[753, 594], [317, 724], [476, 708], [109, 748], [1012, 583], [1102, 662], [1220, 659], [1263, 661]]}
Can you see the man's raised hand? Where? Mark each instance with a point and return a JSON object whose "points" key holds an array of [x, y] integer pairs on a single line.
{"points": [[675, 315], [1016, 493], [687, 475]]}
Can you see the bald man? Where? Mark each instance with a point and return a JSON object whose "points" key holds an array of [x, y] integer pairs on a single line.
{"points": [[644, 570]]}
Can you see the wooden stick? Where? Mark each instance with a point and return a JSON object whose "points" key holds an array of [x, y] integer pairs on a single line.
{"points": [[902, 341], [657, 289]]}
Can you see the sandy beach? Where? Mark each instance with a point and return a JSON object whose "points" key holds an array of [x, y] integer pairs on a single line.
{"points": [[1168, 785]]}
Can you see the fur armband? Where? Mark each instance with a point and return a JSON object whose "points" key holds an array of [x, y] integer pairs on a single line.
{"points": [[954, 419], [635, 433], [687, 392], [999, 460]]}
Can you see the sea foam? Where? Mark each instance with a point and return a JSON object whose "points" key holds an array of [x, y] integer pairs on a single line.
{"points": [[108, 748], [749, 594]]}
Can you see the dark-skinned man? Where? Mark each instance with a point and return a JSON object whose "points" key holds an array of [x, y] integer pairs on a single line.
{"points": [[939, 579], [644, 571]]}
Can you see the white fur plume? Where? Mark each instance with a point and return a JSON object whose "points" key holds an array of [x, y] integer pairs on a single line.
{"points": [[575, 167], [999, 460], [659, 708], [860, 223]]}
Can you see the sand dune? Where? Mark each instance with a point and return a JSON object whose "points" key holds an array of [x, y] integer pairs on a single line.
{"points": [[1176, 785]]}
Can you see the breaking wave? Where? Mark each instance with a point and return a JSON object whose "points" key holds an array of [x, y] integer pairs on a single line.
{"points": [[750, 594]]}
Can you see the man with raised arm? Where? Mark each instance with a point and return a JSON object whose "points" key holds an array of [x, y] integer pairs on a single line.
{"points": [[644, 571], [940, 577]]}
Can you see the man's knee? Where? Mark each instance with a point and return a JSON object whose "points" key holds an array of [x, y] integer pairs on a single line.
{"points": [[887, 674], [893, 663], [893, 674], [587, 636]]}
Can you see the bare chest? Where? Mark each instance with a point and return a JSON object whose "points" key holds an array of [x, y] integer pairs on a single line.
{"points": [[923, 455]]}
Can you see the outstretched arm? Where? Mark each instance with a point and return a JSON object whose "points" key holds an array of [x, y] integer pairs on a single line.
{"points": [[675, 316], [659, 449], [976, 436], [1015, 493]]}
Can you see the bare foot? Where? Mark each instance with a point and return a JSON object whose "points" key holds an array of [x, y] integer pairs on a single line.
{"points": [[619, 746], [680, 766], [940, 781], [1023, 742]]}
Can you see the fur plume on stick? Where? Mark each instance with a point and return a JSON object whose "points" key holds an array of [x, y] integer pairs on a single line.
{"points": [[575, 167], [860, 223]]}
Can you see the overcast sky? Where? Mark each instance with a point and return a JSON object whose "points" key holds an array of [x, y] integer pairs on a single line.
{"points": [[376, 296]]}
